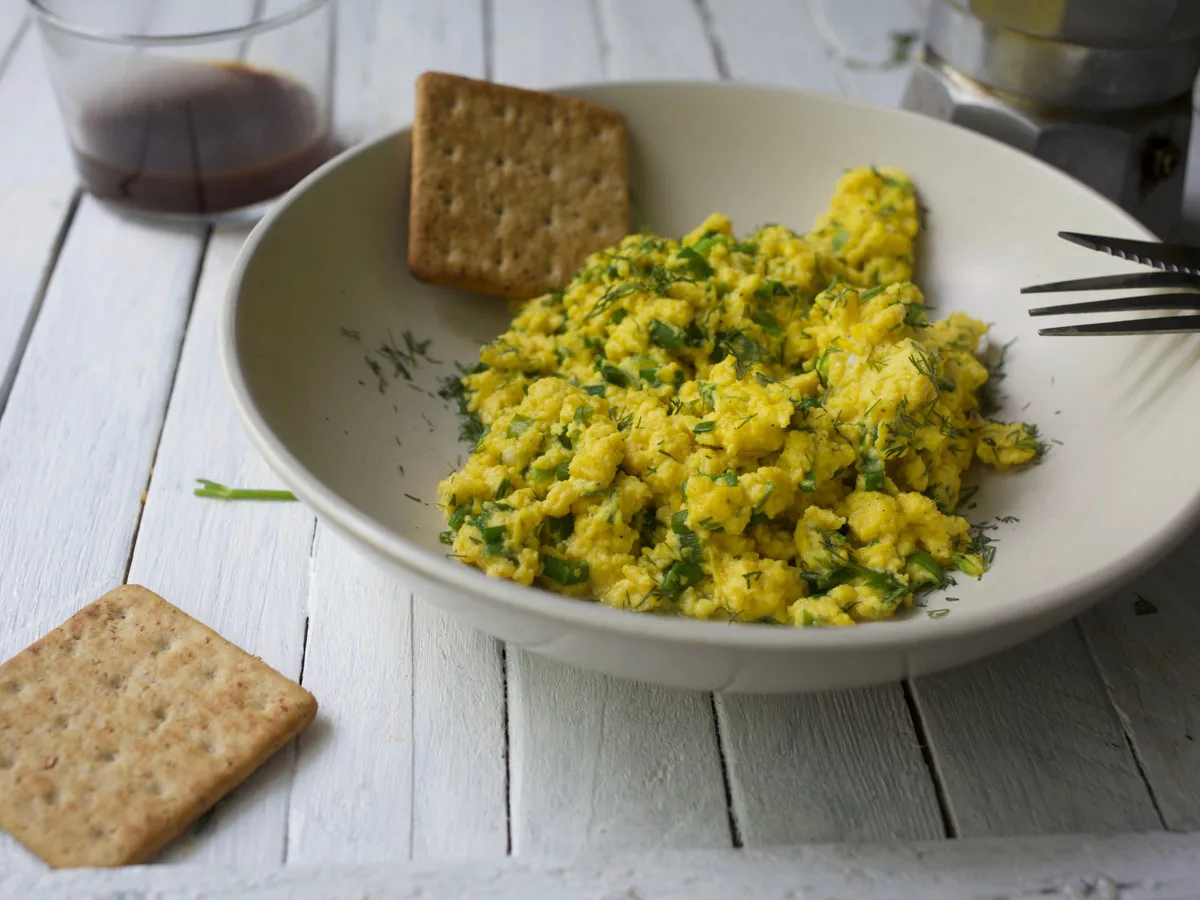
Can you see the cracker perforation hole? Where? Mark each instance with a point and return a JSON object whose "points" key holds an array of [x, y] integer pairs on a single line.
{"points": [[115, 682], [60, 724], [6, 761], [50, 798], [106, 756], [16, 687]]}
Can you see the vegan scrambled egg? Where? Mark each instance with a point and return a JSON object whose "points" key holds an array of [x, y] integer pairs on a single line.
{"points": [[768, 429]]}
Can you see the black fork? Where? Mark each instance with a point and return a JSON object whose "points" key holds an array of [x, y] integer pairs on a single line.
{"points": [[1180, 268]]}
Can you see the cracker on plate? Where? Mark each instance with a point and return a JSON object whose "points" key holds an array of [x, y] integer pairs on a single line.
{"points": [[125, 723], [512, 189]]}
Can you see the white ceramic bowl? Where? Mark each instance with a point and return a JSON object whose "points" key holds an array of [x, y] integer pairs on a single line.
{"points": [[1116, 494]]}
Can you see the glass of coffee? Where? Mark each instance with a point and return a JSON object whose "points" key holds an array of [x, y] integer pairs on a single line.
{"points": [[200, 110]]}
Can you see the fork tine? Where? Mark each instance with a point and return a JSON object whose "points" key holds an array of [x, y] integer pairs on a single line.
{"points": [[1158, 325], [1171, 257], [1118, 282], [1123, 304]]}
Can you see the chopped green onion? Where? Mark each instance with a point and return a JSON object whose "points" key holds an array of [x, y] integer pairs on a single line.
{"points": [[458, 516], [872, 471], [215, 491], [560, 527], [565, 571], [695, 263], [679, 576], [703, 427], [614, 376], [665, 336], [969, 564], [764, 319], [922, 566], [518, 426]]}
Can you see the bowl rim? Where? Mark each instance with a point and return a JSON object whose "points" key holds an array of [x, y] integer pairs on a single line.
{"points": [[328, 505]]}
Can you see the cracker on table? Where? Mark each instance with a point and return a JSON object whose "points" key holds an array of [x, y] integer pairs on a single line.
{"points": [[512, 189], [125, 723]]}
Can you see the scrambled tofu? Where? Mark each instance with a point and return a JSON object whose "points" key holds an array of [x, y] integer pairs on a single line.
{"points": [[762, 430]]}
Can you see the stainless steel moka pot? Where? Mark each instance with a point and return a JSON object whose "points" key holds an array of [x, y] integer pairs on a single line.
{"points": [[1102, 89]]}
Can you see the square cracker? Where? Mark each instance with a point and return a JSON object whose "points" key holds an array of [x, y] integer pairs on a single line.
{"points": [[125, 723], [512, 189]]}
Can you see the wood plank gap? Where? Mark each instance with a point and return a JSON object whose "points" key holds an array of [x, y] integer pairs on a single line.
{"points": [[39, 298], [1110, 693], [833, 52], [11, 50], [718, 52], [295, 751], [162, 422], [488, 12], [335, 20], [508, 817], [735, 832], [412, 719], [601, 38], [949, 827]]}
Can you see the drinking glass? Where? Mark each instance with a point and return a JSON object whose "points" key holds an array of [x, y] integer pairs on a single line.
{"points": [[202, 110]]}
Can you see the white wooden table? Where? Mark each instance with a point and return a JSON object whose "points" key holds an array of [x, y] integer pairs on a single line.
{"points": [[442, 764]]}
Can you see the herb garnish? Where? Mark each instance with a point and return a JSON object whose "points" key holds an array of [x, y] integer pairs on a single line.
{"points": [[215, 491]]}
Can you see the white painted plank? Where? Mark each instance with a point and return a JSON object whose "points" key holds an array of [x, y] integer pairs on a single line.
{"points": [[600, 765], [352, 798], [772, 42], [427, 703], [241, 568], [1149, 657], [1027, 742], [82, 422], [382, 45], [460, 795], [37, 184], [872, 44], [245, 571], [836, 766], [663, 39], [831, 766], [543, 43], [14, 20], [1135, 867]]}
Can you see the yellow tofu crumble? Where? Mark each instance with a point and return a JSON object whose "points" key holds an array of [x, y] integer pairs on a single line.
{"points": [[761, 430]]}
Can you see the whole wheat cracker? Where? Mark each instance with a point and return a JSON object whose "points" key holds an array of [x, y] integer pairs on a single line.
{"points": [[125, 723], [512, 189]]}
